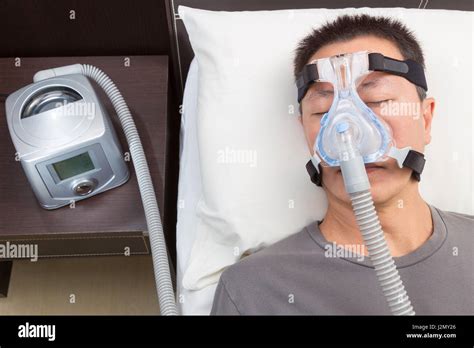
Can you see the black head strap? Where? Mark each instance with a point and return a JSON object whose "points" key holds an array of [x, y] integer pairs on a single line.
{"points": [[308, 75], [315, 175], [408, 69], [415, 161]]}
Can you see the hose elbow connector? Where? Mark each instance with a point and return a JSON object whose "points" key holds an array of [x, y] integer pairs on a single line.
{"points": [[351, 162]]}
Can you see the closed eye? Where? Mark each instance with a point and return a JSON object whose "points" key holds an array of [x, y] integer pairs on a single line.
{"points": [[377, 103]]}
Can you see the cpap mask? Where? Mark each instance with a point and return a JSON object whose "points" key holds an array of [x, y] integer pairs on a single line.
{"points": [[352, 135], [349, 116]]}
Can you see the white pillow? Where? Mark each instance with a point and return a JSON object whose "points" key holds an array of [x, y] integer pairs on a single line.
{"points": [[189, 193], [255, 189]]}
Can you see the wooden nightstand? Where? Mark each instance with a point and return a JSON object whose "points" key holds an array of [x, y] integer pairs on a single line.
{"points": [[111, 222]]}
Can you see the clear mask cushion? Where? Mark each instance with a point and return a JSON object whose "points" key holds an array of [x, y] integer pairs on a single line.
{"points": [[370, 134]]}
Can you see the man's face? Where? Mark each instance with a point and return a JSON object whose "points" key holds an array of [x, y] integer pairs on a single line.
{"points": [[393, 98]]}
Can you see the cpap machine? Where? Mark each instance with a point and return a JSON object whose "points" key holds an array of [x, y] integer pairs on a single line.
{"points": [[69, 150], [64, 140]]}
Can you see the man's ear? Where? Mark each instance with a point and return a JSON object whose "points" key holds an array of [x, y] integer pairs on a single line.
{"points": [[428, 107]]}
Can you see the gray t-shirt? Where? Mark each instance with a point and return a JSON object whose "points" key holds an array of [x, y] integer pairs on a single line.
{"points": [[296, 276]]}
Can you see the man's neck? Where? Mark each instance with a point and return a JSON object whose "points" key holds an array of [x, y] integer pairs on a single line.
{"points": [[406, 222]]}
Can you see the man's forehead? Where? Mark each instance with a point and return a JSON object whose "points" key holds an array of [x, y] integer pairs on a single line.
{"points": [[367, 82], [358, 44]]}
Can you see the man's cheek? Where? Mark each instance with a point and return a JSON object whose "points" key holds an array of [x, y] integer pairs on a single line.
{"points": [[406, 131], [312, 136], [332, 175]]}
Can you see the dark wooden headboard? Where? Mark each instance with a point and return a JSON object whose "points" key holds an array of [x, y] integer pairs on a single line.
{"points": [[182, 53]]}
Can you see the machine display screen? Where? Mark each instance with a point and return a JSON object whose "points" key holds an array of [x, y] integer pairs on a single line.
{"points": [[73, 166]]}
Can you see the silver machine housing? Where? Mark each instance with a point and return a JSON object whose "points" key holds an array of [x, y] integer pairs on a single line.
{"points": [[65, 140]]}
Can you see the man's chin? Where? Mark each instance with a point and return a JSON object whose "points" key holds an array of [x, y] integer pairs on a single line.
{"points": [[381, 190], [378, 176]]}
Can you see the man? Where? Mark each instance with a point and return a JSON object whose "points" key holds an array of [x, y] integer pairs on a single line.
{"points": [[324, 269]]}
